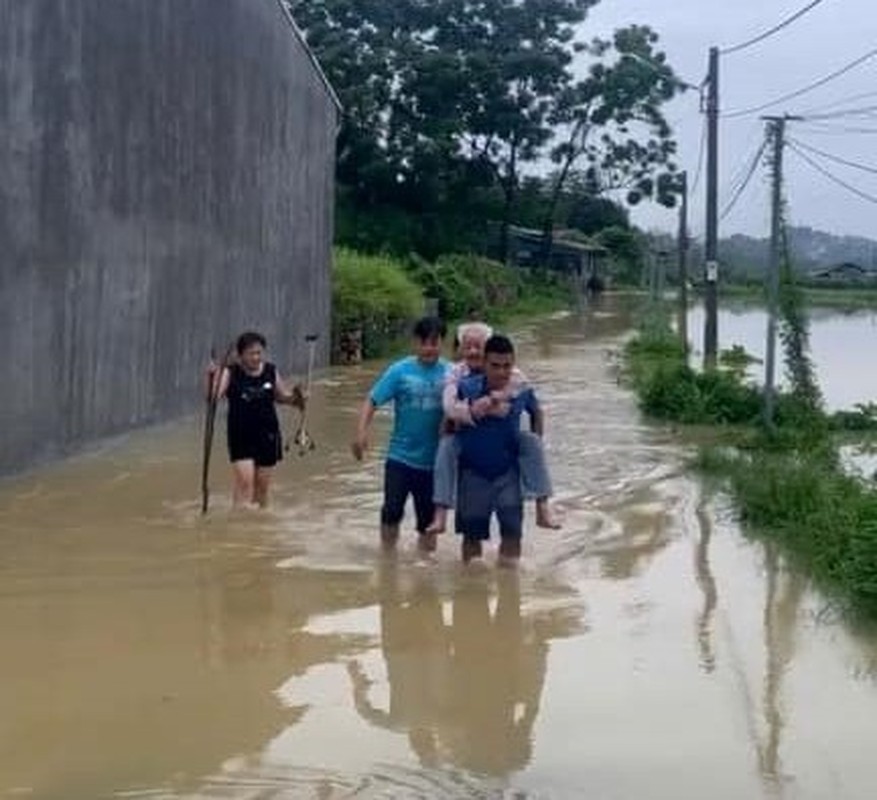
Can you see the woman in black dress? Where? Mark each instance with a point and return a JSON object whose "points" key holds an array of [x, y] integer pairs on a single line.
{"points": [[252, 387]]}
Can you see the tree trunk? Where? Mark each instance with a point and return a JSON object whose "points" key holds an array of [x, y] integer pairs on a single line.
{"points": [[556, 192], [548, 225], [510, 185]]}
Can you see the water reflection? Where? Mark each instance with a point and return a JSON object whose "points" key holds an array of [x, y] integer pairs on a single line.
{"points": [[466, 691], [785, 592], [498, 670], [639, 530], [416, 650], [707, 584], [844, 371]]}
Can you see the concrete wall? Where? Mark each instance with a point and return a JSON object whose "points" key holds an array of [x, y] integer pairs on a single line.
{"points": [[166, 180]]}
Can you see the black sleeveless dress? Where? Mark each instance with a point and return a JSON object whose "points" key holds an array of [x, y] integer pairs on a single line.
{"points": [[253, 427]]}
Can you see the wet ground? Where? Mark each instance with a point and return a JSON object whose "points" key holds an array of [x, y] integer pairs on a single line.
{"points": [[647, 650]]}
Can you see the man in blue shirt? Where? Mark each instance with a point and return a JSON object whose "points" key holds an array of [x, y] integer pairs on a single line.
{"points": [[414, 385], [489, 481]]}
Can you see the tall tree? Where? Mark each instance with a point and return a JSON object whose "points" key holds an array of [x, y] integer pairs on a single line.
{"points": [[446, 102], [514, 58], [614, 122]]}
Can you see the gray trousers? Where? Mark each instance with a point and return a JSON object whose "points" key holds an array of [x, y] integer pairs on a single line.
{"points": [[535, 480], [481, 498]]}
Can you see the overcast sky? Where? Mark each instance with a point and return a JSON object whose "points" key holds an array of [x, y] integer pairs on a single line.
{"points": [[829, 37]]}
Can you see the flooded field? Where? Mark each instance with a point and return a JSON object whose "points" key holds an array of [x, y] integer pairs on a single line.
{"points": [[647, 650], [841, 347]]}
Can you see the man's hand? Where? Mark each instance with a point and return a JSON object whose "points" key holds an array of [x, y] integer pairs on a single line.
{"points": [[359, 447], [499, 404], [481, 407]]}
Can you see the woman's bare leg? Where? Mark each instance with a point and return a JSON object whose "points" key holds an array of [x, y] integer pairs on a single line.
{"points": [[262, 485], [244, 483]]}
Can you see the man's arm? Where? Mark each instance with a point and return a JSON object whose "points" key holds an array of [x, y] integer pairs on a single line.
{"points": [[382, 392], [363, 426], [459, 409], [456, 409]]}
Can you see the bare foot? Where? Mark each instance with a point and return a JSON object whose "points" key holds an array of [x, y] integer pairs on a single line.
{"points": [[426, 542], [389, 537], [545, 517], [439, 522], [470, 549]]}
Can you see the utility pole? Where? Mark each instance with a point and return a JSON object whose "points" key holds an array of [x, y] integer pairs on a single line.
{"points": [[711, 326], [776, 129], [683, 260]]}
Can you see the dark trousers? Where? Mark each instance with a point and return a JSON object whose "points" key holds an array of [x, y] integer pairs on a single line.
{"points": [[400, 480]]}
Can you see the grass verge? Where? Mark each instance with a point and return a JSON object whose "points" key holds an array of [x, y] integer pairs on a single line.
{"points": [[788, 483]]}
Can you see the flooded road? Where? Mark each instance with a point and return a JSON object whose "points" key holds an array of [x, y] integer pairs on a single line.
{"points": [[647, 650]]}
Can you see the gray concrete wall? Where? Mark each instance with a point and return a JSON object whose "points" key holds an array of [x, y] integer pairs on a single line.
{"points": [[166, 180]]}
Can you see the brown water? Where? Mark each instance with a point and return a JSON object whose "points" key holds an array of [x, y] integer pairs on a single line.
{"points": [[646, 651]]}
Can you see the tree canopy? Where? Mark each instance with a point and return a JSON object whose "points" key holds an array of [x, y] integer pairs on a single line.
{"points": [[451, 106]]}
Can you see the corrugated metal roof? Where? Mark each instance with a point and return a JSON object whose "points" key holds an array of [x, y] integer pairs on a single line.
{"points": [[299, 34]]}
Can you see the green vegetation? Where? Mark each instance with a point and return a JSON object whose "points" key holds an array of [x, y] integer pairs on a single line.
{"points": [[372, 296], [670, 389], [788, 480], [376, 297], [826, 519], [446, 106]]}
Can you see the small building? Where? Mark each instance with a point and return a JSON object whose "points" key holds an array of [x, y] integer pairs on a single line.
{"points": [[166, 180], [844, 274], [572, 253]]}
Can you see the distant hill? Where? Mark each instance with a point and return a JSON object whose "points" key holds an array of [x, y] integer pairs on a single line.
{"points": [[811, 250]]}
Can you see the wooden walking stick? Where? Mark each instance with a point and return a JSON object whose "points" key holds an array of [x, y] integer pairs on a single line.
{"points": [[210, 424]]}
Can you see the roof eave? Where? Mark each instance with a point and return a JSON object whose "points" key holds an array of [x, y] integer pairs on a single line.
{"points": [[299, 34]]}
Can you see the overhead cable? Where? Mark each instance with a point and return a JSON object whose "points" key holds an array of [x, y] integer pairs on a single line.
{"points": [[809, 88], [775, 29], [831, 157], [742, 188], [832, 177]]}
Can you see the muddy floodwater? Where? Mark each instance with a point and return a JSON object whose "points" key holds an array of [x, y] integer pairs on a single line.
{"points": [[647, 650]]}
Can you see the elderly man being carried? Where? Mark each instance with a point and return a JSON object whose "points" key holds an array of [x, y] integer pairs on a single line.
{"points": [[536, 482]]}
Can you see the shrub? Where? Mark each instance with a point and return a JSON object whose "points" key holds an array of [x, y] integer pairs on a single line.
{"points": [[372, 294]]}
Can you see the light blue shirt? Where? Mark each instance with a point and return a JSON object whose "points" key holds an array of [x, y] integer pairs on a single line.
{"points": [[416, 391]]}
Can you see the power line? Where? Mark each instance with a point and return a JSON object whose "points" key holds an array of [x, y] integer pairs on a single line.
{"points": [[821, 129], [836, 103], [738, 176], [742, 188], [775, 29], [809, 88], [832, 177], [836, 159], [753, 139], [864, 111]]}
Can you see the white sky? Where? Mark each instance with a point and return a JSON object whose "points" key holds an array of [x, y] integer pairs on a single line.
{"points": [[829, 37]]}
